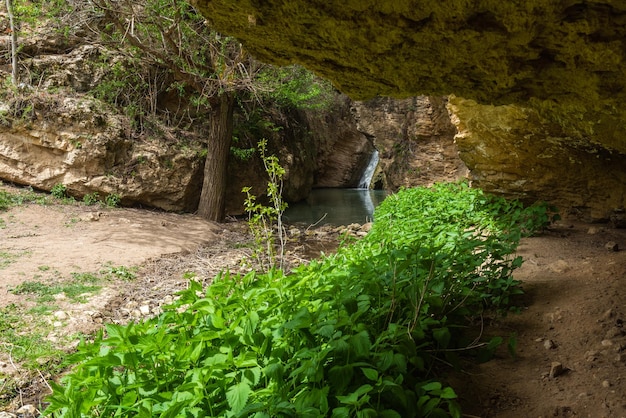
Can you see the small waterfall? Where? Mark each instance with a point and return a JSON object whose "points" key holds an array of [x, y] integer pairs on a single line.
{"points": [[366, 177]]}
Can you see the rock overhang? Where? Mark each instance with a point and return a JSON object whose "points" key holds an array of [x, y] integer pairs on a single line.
{"points": [[560, 64], [493, 51]]}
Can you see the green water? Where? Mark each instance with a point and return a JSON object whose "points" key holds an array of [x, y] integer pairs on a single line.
{"points": [[335, 207]]}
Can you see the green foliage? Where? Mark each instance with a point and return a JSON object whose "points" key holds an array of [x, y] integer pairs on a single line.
{"points": [[295, 87], [21, 197], [112, 200], [74, 289], [91, 198], [30, 349], [59, 191], [120, 272], [359, 333], [262, 218]]}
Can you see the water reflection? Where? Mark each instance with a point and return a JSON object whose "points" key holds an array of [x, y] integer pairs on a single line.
{"points": [[335, 206]]}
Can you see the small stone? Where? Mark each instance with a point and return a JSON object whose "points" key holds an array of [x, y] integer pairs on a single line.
{"points": [[614, 332], [57, 324], [60, 315], [608, 314], [593, 230], [560, 266], [606, 384], [145, 310], [549, 344], [611, 246], [607, 343], [556, 369], [136, 314], [366, 227], [591, 355], [27, 410]]}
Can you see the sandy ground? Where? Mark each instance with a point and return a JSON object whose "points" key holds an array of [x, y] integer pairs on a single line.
{"points": [[573, 309]]}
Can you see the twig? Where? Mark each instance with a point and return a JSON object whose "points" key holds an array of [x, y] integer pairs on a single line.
{"points": [[315, 224], [44, 379]]}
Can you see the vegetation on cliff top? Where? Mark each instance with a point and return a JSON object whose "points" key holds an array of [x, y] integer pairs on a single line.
{"points": [[162, 63]]}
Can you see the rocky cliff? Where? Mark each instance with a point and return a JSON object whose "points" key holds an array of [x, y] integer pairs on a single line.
{"points": [[558, 68], [415, 140]]}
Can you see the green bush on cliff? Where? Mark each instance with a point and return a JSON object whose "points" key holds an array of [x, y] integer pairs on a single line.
{"points": [[358, 333]]}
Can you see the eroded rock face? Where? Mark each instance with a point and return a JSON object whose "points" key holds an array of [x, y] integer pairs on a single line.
{"points": [[516, 152], [491, 51], [415, 140], [77, 142], [343, 151]]}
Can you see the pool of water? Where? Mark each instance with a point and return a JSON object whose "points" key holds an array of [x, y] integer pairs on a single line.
{"points": [[335, 207]]}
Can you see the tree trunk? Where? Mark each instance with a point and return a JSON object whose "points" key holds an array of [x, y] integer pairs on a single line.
{"points": [[212, 199], [13, 42]]}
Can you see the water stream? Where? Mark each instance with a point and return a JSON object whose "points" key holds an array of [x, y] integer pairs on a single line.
{"points": [[339, 206], [335, 207], [368, 174]]}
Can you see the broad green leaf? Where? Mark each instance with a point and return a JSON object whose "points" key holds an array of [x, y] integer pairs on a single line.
{"points": [[341, 412], [432, 386], [442, 336], [371, 374], [237, 396]]}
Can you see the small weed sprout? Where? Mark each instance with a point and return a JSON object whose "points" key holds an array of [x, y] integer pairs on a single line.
{"points": [[261, 218], [91, 199]]}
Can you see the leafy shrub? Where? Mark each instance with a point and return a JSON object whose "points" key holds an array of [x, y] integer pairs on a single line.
{"points": [[91, 198], [357, 333], [59, 191], [113, 200]]}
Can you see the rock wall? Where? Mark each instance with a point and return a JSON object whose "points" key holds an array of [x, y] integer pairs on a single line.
{"points": [[77, 142], [557, 67], [515, 151], [415, 140], [342, 150]]}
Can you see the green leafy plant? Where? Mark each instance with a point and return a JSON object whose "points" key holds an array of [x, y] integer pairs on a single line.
{"points": [[263, 219], [112, 200], [120, 272], [59, 191], [91, 198], [363, 332]]}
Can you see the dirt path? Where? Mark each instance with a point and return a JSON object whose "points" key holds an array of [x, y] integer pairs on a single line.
{"points": [[573, 316], [47, 242], [573, 312]]}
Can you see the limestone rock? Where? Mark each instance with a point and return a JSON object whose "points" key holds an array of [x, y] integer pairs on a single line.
{"points": [[79, 142], [519, 152], [556, 369], [415, 140], [342, 150], [544, 81], [498, 52]]}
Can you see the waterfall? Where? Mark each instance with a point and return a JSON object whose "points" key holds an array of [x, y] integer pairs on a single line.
{"points": [[366, 177]]}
